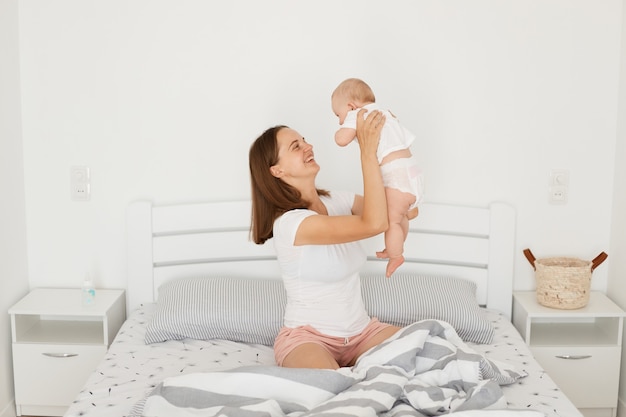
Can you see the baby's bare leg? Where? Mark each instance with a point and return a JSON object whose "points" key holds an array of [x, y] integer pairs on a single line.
{"points": [[398, 204]]}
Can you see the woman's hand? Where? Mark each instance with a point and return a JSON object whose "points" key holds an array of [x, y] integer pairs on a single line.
{"points": [[368, 131]]}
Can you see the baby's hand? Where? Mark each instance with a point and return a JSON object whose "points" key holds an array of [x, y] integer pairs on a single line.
{"points": [[344, 136]]}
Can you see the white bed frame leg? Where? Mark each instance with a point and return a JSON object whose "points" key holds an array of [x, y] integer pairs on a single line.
{"points": [[139, 252], [502, 249]]}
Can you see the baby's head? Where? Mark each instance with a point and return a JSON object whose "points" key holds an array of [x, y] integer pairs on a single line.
{"points": [[351, 94]]}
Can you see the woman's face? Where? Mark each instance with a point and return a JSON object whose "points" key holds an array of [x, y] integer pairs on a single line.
{"points": [[295, 157]]}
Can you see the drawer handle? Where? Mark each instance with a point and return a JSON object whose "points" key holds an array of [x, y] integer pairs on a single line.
{"points": [[60, 355], [573, 357]]}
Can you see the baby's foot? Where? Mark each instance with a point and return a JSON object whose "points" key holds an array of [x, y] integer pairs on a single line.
{"points": [[393, 264], [382, 254]]}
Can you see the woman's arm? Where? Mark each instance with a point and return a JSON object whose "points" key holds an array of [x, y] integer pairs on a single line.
{"points": [[324, 230], [357, 208]]}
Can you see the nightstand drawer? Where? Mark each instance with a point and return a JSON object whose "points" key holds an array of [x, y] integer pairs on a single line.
{"points": [[587, 375], [57, 344], [52, 374]]}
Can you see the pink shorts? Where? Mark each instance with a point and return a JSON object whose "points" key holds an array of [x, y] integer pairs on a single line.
{"points": [[343, 349]]}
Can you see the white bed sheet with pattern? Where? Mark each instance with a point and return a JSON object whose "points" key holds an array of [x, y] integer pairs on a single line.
{"points": [[131, 369]]}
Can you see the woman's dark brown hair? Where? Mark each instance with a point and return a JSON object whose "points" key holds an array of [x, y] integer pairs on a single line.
{"points": [[271, 197]]}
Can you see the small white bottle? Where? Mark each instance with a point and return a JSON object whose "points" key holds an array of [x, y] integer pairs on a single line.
{"points": [[89, 291]]}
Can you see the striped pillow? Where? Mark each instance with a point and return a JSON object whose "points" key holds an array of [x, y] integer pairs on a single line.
{"points": [[404, 299], [251, 310], [241, 310]]}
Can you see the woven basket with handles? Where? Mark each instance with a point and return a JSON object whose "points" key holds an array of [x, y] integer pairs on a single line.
{"points": [[563, 283]]}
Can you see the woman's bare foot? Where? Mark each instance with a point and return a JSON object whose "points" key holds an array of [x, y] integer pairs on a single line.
{"points": [[393, 264]]}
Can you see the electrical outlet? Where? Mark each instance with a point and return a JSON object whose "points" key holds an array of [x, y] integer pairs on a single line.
{"points": [[558, 194], [80, 183]]}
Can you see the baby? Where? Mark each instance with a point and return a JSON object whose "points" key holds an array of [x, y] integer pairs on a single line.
{"points": [[401, 176]]}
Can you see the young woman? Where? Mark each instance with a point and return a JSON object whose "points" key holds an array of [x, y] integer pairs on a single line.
{"points": [[316, 236]]}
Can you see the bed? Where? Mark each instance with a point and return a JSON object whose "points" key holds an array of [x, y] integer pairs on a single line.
{"points": [[204, 303]]}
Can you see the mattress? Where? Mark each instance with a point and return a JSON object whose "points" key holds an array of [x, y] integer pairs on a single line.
{"points": [[131, 369]]}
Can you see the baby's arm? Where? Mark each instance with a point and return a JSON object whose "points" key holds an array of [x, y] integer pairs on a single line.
{"points": [[344, 136]]}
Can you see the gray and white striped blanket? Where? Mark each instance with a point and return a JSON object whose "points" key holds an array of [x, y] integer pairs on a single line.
{"points": [[424, 370]]}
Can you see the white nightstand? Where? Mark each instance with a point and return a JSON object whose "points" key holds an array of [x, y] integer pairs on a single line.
{"points": [[580, 349], [57, 343]]}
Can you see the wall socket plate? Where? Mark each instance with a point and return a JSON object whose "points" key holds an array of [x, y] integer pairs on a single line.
{"points": [[80, 183], [558, 194], [558, 186]]}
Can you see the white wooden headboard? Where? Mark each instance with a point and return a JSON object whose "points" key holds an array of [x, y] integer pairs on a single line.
{"points": [[172, 241]]}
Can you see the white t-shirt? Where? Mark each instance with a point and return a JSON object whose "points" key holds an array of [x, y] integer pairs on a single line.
{"points": [[393, 137], [322, 281]]}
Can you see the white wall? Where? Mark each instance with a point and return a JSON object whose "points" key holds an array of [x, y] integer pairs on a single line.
{"points": [[13, 262], [162, 99]]}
